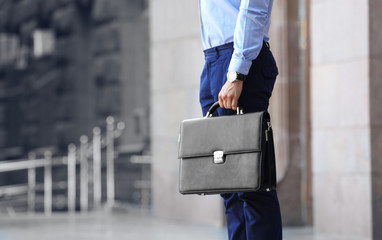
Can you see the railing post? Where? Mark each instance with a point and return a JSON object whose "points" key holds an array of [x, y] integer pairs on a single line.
{"points": [[97, 167], [110, 160], [31, 184], [84, 173], [71, 178], [48, 183], [145, 192]]}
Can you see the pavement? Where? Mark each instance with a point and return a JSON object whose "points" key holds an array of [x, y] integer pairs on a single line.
{"points": [[116, 226]]}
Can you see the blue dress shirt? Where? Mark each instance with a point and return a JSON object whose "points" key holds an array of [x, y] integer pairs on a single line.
{"points": [[243, 22]]}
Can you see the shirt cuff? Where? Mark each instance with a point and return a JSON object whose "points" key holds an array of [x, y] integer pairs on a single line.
{"points": [[240, 65]]}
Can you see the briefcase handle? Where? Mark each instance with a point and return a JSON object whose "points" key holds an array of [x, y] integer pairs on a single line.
{"points": [[239, 109]]}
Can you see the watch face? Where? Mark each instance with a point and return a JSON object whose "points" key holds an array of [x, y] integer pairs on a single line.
{"points": [[231, 76]]}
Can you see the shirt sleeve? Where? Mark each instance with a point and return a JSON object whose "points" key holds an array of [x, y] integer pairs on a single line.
{"points": [[249, 34]]}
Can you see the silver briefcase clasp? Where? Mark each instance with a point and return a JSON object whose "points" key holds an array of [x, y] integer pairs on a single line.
{"points": [[218, 157]]}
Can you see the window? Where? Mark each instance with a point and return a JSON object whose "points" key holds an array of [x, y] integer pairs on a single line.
{"points": [[43, 42]]}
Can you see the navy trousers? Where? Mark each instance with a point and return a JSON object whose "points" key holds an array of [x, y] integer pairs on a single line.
{"points": [[250, 215]]}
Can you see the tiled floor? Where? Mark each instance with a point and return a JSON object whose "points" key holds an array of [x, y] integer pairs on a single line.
{"points": [[107, 226]]}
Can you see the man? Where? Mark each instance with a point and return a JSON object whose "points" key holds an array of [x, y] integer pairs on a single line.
{"points": [[240, 68]]}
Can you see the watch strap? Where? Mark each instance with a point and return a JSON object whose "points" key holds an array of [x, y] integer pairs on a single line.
{"points": [[240, 76]]}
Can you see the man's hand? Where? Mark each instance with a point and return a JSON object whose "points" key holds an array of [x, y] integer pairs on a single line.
{"points": [[229, 94]]}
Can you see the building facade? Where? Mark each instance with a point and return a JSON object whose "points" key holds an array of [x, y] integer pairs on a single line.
{"points": [[65, 66]]}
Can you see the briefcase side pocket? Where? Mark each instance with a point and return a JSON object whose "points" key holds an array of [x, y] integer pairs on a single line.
{"points": [[268, 156]]}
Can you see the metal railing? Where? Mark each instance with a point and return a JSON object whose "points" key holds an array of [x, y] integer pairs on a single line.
{"points": [[86, 151]]}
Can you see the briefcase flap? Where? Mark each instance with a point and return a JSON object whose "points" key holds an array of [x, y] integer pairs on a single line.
{"points": [[230, 134]]}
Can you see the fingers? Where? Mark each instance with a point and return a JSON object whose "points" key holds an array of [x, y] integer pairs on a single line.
{"points": [[224, 99], [227, 100], [229, 95], [221, 101], [234, 103]]}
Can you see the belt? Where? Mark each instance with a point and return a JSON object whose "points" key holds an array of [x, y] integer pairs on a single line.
{"points": [[215, 52]]}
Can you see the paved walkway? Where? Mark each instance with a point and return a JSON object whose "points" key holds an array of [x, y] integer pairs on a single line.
{"points": [[106, 226]]}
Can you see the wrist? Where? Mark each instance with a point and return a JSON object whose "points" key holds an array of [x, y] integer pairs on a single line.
{"points": [[233, 76]]}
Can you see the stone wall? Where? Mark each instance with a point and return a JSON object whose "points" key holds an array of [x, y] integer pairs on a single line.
{"points": [[341, 127]]}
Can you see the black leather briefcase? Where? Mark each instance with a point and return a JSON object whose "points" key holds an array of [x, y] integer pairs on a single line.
{"points": [[226, 154]]}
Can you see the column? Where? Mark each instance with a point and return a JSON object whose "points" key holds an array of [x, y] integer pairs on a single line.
{"points": [[340, 108]]}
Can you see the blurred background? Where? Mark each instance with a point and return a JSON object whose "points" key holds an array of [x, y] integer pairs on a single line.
{"points": [[92, 93]]}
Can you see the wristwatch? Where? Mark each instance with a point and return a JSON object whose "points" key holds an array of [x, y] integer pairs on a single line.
{"points": [[233, 76]]}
